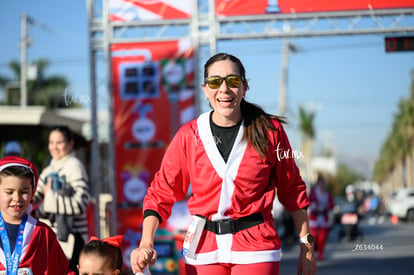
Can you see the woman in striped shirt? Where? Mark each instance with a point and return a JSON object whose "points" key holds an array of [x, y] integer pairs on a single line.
{"points": [[62, 194]]}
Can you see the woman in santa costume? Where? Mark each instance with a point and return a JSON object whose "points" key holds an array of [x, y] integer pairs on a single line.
{"points": [[28, 246], [321, 203], [235, 157]]}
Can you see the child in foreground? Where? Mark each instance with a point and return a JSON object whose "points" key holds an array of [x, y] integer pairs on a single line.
{"points": [[27, 245], [101, 256]]}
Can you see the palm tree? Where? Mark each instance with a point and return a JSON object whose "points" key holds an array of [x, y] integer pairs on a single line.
{"points": [[406, 121], [397, 152], [3, 81], [43, 90], [410, 135], [307, 130]]}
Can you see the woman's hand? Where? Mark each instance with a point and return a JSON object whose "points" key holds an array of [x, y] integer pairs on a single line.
{"points": [[142, 257], [47, 186], [307, 262]]}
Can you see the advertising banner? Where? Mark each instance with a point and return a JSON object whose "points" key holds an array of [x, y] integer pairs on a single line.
{"points": [[141, 10], [153, 94], [255, 7]]}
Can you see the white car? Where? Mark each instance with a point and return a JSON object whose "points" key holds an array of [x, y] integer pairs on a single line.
{"points": [[402, 204]]}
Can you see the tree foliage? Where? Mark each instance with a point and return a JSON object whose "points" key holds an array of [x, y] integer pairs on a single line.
{"points": [[399, 143], [343, 177], [306, 122], [44, 90]]}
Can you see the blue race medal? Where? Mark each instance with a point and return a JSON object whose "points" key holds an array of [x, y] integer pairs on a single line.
{"points": [[12, 261]]}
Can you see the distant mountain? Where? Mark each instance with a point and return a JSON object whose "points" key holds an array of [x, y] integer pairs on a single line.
{"points": [[360, 164]]}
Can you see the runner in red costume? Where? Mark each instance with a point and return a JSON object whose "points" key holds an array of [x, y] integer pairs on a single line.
{"points": [[230, 156], [321, 203]]}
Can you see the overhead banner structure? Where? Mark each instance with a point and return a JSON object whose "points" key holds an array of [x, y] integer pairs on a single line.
{"points": [[141, 10], [256, 7], [153, 95]]}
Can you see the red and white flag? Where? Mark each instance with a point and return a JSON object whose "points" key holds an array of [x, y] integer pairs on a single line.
{"points": [[141, 10]]}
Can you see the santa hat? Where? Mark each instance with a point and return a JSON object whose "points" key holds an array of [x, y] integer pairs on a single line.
{"points": [[18, 161]]}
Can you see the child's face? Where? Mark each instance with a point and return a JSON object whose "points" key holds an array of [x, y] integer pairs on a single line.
{"points": [[15, 196], [92, 264]]}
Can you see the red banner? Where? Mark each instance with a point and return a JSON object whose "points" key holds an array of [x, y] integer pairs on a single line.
{"points": [[153, 93], [254, 7], [141, 10]]}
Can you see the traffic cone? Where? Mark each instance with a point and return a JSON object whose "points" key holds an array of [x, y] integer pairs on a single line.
{"points": [[394, 219]]}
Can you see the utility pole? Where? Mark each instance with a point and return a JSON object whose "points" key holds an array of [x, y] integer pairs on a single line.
{"points": [[287, 47], [25, 41], [283, 77], [23, 62]]}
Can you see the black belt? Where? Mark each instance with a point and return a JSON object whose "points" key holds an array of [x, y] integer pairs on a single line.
{"points": [[232, 226]]}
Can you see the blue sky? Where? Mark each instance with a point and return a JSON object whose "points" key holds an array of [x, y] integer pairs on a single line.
{"points": [[355, 85], [59, 34]]}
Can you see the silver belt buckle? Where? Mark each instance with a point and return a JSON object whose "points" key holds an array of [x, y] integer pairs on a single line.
{"points": [[225, 226]]}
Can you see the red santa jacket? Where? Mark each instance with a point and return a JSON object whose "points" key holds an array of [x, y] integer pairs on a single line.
{"points": [[321, 203], [243, 186], [41, 252]]}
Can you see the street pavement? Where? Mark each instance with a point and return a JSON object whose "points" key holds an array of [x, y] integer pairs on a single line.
{"points": [[384, 248]]}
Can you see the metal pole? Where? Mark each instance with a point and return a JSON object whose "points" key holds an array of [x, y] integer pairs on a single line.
{"points": [[95, 163], [213, 27], [195, 33], [23, 62], [283, 77], [108, 35]]}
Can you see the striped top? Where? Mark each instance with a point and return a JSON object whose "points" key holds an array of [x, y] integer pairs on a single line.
{"points": [[73, 202]]}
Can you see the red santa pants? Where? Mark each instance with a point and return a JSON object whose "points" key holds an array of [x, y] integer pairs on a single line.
{"points": [[320, 233], [268, 268]]}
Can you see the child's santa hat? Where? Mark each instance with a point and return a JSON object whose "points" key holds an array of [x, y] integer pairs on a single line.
{"points": [[17, 161]]}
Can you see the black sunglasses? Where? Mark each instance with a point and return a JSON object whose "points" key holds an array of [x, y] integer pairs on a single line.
{"points": [[232, 81]]}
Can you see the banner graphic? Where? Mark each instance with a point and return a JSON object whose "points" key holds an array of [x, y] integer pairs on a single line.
{"points": [[141, 10], [255, 7], [153, 93]]}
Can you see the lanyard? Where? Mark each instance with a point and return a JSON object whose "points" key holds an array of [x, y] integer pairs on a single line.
{"points": [[12, 261]]}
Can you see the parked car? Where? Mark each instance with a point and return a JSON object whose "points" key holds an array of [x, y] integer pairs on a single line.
{"points": [[401, 204]]}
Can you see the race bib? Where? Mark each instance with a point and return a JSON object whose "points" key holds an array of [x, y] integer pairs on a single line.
{"points": [[192, 237]]}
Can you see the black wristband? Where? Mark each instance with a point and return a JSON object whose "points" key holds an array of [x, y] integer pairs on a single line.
{"points": [[150, 212]]}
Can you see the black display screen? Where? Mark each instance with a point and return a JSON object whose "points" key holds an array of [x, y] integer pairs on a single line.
{"points": [[399, 43]]}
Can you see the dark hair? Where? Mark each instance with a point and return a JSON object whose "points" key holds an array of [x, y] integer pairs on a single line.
{"points": [[257, 122], [65, 130], [18, 171], [112, 254], [225, 56], [320, 178]]}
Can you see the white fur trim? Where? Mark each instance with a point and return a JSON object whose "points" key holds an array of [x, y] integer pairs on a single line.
{"points": [[4, 166], [237, 257], [206, 136], [228, 172]]}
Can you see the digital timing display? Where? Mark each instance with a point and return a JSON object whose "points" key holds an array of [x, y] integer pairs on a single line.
{"points": [[399, 43]]}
